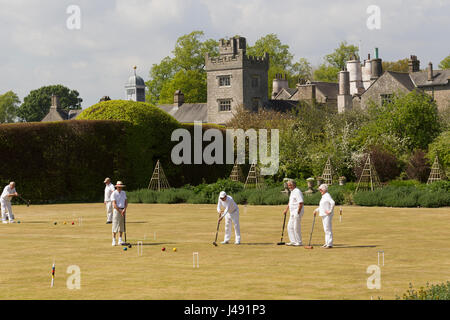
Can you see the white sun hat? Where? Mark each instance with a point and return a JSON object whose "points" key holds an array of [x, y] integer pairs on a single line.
{"points": [[223, 194]]}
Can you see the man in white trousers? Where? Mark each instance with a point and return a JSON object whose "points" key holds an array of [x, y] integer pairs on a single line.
{"points": [[231, 214], [120, 204], [296, 210], [326, 211], [5, 200], [109, 189]]}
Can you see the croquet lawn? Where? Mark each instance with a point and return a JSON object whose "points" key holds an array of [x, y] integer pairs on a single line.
{"points": [[415, 244]]}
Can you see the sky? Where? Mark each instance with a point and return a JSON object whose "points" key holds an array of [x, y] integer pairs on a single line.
{"points": [[37, 47]]}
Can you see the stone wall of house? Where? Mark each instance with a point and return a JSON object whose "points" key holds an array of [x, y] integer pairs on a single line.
{"points": [[441, 95]]}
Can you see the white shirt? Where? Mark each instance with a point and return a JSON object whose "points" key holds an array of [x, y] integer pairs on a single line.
{"points": [[109, 189], [7, 190], [228, 204], [326, 205], [119, 197], [295, 198]]}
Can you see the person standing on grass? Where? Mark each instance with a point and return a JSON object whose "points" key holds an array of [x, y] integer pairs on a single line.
{"points": [[5, 199], [296, 209], [120, 204], [231, 214], [109, 189], [326, 211]]}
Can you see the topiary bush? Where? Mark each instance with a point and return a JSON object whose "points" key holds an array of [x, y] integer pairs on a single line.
{"points": [[148, 136]]}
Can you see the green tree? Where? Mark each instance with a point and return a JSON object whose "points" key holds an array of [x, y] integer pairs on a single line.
{"points": [[396, 66], [410, 119], [341, 54], [37, 103], [188, 59], [280, 59], [326, 73], [188, 82], [445, 64], [335, 62], [302, 69], [9, 102]]}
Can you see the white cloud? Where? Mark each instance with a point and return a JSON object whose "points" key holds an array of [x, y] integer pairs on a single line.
{"points": [[38, 49]]}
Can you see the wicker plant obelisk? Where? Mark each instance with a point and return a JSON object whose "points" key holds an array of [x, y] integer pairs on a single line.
{"points": [[327, 174], [236, 173], [369, 179], [436, 173], [254, 178], [158, 181]]}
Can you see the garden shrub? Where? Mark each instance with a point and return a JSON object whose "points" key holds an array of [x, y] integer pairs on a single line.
{"points": [[430, 292]]}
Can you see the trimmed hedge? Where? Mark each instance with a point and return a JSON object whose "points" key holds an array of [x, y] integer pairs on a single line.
{"points": [[429, 196], [61, 161]]}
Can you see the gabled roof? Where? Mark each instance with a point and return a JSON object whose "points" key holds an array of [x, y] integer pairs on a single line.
{"points": [[403, 78], [187, 112], [60, 115], [440, 77], [285, 93]]}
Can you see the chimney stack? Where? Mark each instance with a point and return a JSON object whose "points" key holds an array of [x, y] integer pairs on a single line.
{"points": [[279, 82], [376, 66], [178, 98], [55, 102], [413, 64], [430, 72]]}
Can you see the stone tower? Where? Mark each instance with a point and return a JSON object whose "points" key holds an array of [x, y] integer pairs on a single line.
{"points": [[235, 79], [135, 88]]}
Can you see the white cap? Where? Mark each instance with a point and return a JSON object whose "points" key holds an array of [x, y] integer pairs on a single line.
{"points": [[223, 194]]}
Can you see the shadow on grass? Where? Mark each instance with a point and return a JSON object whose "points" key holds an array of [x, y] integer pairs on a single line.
{"points": [[342, 246]]}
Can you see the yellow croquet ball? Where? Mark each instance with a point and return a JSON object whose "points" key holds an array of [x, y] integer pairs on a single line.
{"points": [[174, 249]]}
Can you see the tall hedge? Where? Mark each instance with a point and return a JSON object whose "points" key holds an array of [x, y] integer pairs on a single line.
{"points": [[60, 161]]}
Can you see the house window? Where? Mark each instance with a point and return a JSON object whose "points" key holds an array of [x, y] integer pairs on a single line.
{"points": [[130, 92], [255, 81], [386, 99], [225, 105], [224, 81]]}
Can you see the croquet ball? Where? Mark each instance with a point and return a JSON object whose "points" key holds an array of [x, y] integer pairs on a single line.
{"points": [[55, 223], [129, 246], [73, 223], [18, 221], [125, 248], [65, 222], [174, 249], [163, 249]]}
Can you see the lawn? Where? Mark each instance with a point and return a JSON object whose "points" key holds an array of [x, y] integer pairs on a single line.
{"points": [[414, 241]]}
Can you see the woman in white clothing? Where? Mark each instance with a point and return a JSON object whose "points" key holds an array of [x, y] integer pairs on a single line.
{"points": [[326, 211]]}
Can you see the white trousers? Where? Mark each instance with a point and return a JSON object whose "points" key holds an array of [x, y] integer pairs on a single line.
{"points": [[109, 211], [232, 217], [294, 228], [6, 207], [326, 220]]}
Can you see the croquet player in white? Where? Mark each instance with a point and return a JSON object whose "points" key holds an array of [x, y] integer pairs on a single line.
{"points": [[326, 211], [109, 189], [120, 204], [231, 214], [5, 199], [295, 207]]}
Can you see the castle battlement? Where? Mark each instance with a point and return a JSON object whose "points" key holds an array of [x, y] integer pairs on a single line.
{"points": [[233, 54]]}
